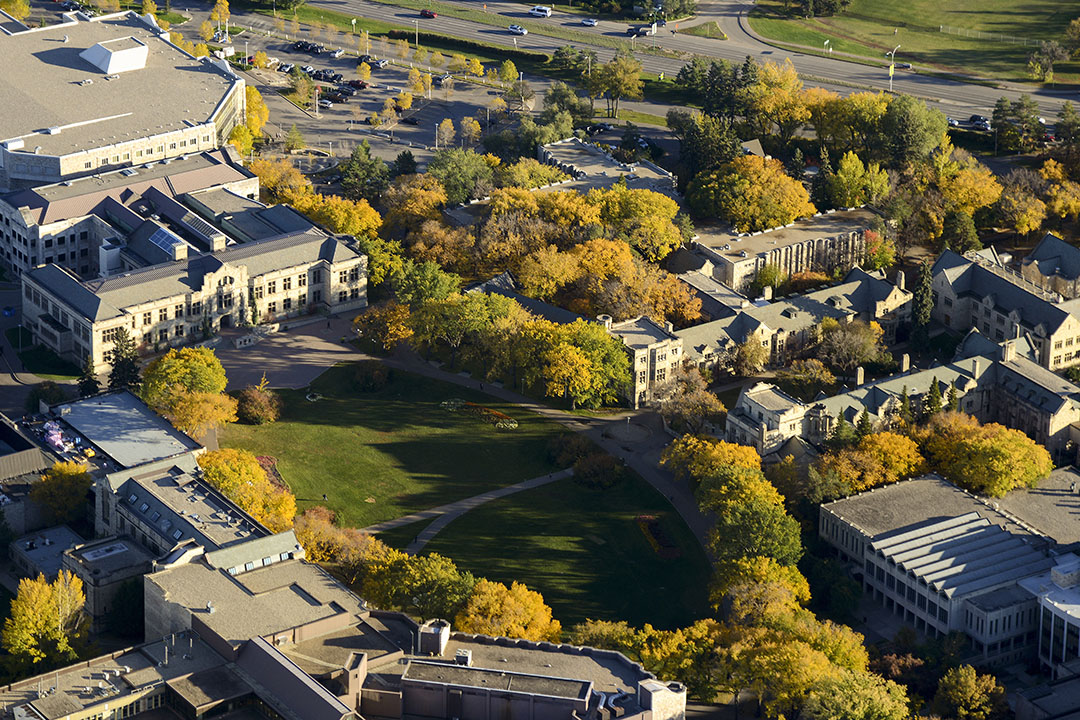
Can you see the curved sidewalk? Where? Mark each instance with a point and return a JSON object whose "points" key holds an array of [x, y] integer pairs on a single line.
{"points": [[446, 514]]}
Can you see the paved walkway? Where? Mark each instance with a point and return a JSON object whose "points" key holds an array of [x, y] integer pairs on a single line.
{"points": [[294, 358], [446, 514]]}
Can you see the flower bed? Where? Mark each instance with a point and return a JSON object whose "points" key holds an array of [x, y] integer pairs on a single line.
{"points": [[269, 464], [661, 543], [500, 420]]}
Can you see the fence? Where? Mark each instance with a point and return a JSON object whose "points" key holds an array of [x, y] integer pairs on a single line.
{"points": [[993, 37]]}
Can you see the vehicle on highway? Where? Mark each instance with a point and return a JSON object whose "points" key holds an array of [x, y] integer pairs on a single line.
{"points": [[381, 63], [904, 66], [984, 126], [411, 120], [640, 31], [590, 22], [517, 30], [337, 53], [425, 13], [540, 11], [325, 104]]}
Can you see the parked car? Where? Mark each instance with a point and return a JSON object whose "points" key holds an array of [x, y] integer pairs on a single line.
{"points": [[358, 84], [540, 11], [337, 53], [364, 59], [984, 126], [381, 63], [425, 13], [904, 66], [286, 68], [976, 119], [598, 128], [325, 104], [346, 90], [517, 30], [590, 22], [411, 120], [308, 70], [442, 78]]}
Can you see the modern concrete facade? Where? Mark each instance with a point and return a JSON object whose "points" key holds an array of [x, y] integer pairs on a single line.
{"points": [[106, 92]]}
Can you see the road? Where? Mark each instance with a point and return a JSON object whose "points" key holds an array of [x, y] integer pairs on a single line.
{"points": [[954, 98]]}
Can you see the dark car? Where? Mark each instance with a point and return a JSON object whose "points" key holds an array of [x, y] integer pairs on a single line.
{"points": [[411, 120], [441, 79], [357, 84], [364, 59], [346, 90], [337, 77], [977, 119], [598, 128], [425, 13]]}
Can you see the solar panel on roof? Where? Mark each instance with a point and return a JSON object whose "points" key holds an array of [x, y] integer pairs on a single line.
{"points": [[165, 240]]}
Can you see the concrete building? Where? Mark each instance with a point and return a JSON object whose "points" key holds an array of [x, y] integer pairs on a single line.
{"points": [[174, 303], [1054, 265], [109, 92], [821, 243], [655, 352], [591, 167], [975, 290], [42, 552], [106, 567], [22, 461], [68, 223]]}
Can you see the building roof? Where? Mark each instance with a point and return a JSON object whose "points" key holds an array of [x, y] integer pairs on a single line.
{"points": [[285, 687], [504, 284], [769, 397], [124, 428], [261, 602], [1051, 507], [19, 457], [440, 673], [236, 556], [44, 86], [44, 549], [716, 295], [247, 218], [85, 196], [1054, 256], [962, 555], [111, 556], [1009, 293], [331, 651], [641, 332], [1065, 599], [731, 247], [64, 285]]}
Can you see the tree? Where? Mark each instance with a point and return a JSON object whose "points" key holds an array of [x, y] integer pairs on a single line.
{"points": [[750, 357], [125, 362], [756, 529], [753, 193], [846, 346], [877, 459], [294, 139], [1041, 62], [363, 71], [238, 475], [364, 176], [932, 403], [241, 139], [508, 72], [386, 323], [775, 98], [470, 130], [856, 696], [922, 301], [220, 13], [806, 378], [465, 174], [911, 129], [88, 381], [18, 9], [567, 373], [528, 173], [258, 404], [620, 78], [964, 693], [445, 133], [44, 627], [1072, 37], [187, 386], [1020, 205], [206, 30], [63, 491], [411, 200], [863, 426], [257, 113], [855, 184], [690, 405], [880, 251], [421, 282], [149, 7], [404, 164], [958, 233], [47, 392], [560, 97], [515, 612]]}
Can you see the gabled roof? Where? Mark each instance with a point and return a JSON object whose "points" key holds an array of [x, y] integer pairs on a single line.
{"points": [[65, 286], [1054, 256], [504, 284]]}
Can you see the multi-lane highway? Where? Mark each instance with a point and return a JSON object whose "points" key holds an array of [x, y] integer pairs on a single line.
{"points": [[957, 99]]}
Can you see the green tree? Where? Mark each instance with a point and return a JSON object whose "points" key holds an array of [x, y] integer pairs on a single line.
{"points": [[44, 628], [843, 434], [294, 139], [958, 233], [560, 97], [567, 372], [302, 86], [125, 362], [63, 491], [952, 403], [420, 282], [922, 302], [364, 176], [932, 403], [863, 426], [964, 693], [1041, 62], [404, 164], [756, 529], [911, 129], [618, 79], [45, 391], [88, 380], [187, 386], [508, 72], [856, 696], [464, 173], [905, 413]]}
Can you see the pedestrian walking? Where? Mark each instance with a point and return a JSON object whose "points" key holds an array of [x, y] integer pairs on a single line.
{"points": [[324, 497]]}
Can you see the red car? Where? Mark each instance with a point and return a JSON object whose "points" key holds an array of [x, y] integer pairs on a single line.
{"points": [[428, 14]]}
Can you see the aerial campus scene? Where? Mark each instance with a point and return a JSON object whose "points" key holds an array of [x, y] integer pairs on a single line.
{"points": [[645, 359]]}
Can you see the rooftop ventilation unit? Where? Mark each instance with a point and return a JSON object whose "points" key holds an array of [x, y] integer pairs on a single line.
{"points": [[54, 130]]}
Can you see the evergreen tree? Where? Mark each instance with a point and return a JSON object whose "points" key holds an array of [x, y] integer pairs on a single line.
{"points": [[863, 426], [922, 303], [125, 362], [796, 164], [364, 176], [819, 188], [952, 402], [843, 435], [404, 164], [932, 403], [88, 381], [905, 414]]}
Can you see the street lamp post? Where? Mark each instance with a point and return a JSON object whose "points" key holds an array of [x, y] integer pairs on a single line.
{"points": [[353, 21], [416, 23], [826, 46], [892, 65]]}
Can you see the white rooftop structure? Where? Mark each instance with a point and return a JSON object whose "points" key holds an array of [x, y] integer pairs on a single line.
{"points": [[117, 56]]}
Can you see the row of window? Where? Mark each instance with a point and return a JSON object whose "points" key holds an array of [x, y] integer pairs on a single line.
{"points": [[126, 157], [251, 565]]}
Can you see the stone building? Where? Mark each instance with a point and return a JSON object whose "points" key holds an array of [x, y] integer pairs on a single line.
{"points": [[655, 353], [1054, 265]]}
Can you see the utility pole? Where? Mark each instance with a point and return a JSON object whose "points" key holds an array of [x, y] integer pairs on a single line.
{"points": [[416, 23], [892, 65]]}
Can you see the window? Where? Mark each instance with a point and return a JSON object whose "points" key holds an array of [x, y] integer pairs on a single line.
{"points": [[316, 296], [87, 165], [284, 557], [661, 375], [172, 146], [163, 314], [316, 276], [249, 566], [271, 287], [196, 308], [147, 338], [1057, 345], [343, 276], [354, 274], [271, 307], [354, 294], [143, 507], [179, 312], [62, 240], [286, 304], [84, 252], [286, 284], [147, 318], [266, 561], [109, 335], [342, 296], [176, 534], [301, 281], [49, 243], [132, 498], [179, 331], [163, 335], [258, 292], [155, 516], [641, 377]]}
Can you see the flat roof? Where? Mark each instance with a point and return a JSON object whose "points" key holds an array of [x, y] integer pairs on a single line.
{"points": [[498, 680], [45, 548], [124, 428], [102, 558], [261, 602], [330, 652], [730, 246], [1052, 506], [44, 87]]}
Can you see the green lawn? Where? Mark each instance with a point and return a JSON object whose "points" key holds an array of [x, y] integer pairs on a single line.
{"points": [[39, 360], [396, 446], [583, 550], [873, 27], [708, 30]]}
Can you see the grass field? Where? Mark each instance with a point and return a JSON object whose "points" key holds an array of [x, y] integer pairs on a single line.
{"points": [[708, 30], [867, 28], [380, 455], [39, 360], [583, 550]]}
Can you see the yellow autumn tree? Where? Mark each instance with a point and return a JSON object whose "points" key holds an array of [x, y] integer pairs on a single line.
{"points": [[63, 490], [45, 622], [515, 612], [238, 475]]}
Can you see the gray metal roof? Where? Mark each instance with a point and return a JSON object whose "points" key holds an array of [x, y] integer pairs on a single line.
{"points": [[63, 285], [254, 550], [1054, 256]]}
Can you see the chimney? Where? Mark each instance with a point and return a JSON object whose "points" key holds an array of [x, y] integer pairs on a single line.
{"points": [[905, 363], [766, 293], [901, 281], [1008, 351], [669, 327], [975, 369], [860, 376], [604, 320]]}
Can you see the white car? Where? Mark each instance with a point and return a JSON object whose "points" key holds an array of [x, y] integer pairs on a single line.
{"points": [[590, 22], [337, 53], [517, 30], [540, 11]]}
